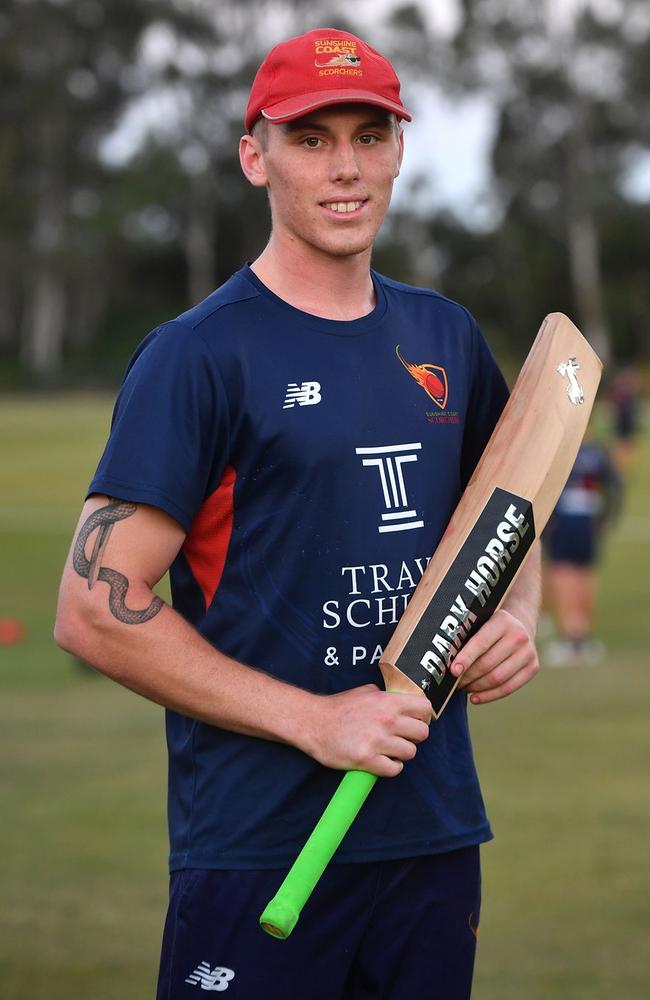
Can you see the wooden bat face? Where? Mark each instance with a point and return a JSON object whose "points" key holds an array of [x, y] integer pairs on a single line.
{"points": [[505, 507]]}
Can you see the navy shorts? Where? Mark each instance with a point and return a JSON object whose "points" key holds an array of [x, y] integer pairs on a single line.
{"points": [[573, 540], [393, 930]]}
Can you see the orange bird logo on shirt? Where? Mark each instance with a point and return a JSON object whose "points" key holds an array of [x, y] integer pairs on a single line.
{"points": [[432, 378]]}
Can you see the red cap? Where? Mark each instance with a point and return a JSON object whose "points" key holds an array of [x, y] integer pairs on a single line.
{"points": [[321, 67]]}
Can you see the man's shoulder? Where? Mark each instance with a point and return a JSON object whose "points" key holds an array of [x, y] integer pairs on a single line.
{"points": [[438, 301], [233, 291], [200, 333]]}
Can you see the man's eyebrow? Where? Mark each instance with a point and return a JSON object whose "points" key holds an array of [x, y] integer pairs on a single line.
{"points": [[378, 122], [307, 125], [301, 125]]}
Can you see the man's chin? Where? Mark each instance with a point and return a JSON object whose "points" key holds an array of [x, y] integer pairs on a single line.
{"points": [[349, 248]]}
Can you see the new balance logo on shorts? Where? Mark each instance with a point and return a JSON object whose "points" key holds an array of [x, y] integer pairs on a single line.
{"points": [[307, 394], [217, 980]]}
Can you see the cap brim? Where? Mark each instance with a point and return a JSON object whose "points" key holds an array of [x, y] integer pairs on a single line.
{"points": [[297, 107]]}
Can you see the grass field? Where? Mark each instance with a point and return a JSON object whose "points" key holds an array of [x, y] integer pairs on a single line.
{"points": [[564, 766]]}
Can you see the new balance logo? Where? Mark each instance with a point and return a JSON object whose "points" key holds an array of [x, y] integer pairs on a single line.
{"points": [[216, 980], [307, 394]]}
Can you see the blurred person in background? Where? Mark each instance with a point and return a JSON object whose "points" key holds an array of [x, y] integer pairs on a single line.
{"points": [[572, 545], [624, 400]]}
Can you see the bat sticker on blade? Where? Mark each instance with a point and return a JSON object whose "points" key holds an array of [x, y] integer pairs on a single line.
{"points": [[479, 577], [505, 506]]}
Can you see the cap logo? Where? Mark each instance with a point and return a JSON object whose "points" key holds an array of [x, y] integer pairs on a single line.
{"points": [[337, 57]]}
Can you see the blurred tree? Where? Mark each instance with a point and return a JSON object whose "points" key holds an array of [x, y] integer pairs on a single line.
{"points": [[66, 67], [563, 79], [134, 111], [121, 198], [204, 76], [568, 85]]}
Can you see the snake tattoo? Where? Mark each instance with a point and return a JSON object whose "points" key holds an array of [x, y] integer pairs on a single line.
{"points": [[103, 521]]}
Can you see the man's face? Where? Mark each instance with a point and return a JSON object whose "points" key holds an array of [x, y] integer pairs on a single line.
{"points": [[330, 175]]}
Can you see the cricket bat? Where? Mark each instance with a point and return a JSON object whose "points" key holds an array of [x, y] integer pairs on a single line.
{"points": [[504, 508]]}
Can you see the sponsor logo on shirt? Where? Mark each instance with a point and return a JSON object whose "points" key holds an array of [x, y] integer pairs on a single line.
{"points": [[399, 515], [214, 980], [447, 417], [431, 378], [373, 595], [306, 394]]}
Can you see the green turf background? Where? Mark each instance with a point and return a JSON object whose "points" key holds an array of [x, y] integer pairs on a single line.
{"points": [[564, 766]]}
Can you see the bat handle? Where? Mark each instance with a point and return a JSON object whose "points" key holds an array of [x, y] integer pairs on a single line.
{"points": [[281, 914]]}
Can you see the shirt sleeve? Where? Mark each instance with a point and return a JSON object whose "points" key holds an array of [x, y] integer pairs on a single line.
{"points": [[488, 394], [169, 439]]}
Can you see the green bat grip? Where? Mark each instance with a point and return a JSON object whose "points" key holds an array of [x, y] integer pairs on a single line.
{"points": [[281, 914]]}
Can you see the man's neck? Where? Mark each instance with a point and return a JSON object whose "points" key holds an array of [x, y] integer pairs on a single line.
{"points": [[330, 287]]}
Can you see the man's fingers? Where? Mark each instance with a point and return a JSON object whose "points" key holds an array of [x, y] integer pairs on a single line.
{"points": [[412, 706], [400, 749], [497, 661], [412, 729], [391, 762], [385, 767], [508, 687], [501, 672], [486, 637], [513, 643]]}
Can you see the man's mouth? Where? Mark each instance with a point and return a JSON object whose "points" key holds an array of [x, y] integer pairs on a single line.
{"points": [[343, 207]]}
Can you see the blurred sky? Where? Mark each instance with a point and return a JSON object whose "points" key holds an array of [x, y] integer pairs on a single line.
{"points": [[450, 140]]}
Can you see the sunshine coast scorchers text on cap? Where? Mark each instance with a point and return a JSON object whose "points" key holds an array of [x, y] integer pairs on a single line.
{"points": [[319, 68]]}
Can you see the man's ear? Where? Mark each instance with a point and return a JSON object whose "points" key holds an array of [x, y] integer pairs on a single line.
{"points": [[251, 157], [400, 140]]}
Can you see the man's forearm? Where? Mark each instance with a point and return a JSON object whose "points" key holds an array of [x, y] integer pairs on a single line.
{"points": [[524, 597], [167, 661], [109, 616]]}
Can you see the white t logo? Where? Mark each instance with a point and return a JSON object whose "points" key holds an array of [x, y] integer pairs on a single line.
{"points": [[389, 461]]}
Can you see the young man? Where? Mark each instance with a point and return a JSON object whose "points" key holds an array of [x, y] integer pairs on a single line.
{"points": [[292, 449]]}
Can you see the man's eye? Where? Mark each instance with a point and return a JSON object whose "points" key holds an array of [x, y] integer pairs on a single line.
{"points": [[311, 141], [368, 140]]}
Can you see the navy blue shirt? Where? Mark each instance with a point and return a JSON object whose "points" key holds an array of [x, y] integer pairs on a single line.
{"points": [[314, 465]]}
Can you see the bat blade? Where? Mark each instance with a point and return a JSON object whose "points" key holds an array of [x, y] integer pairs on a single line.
{"points": [[506, 505]]}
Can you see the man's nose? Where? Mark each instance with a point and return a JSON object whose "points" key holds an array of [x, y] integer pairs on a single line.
{"points": [[345, 166]]}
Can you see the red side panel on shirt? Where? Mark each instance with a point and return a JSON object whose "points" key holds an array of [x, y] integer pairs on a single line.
{"points": [[206, 545]]}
